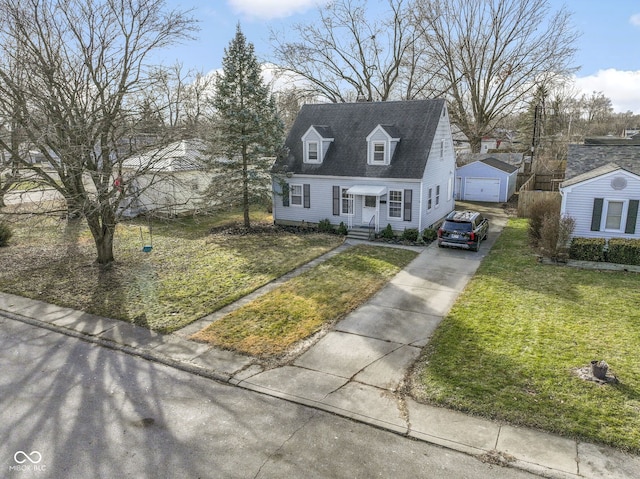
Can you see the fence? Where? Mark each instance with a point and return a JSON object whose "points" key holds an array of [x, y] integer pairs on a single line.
{"points": [[529, 193], [526, 200], [548, 182]]}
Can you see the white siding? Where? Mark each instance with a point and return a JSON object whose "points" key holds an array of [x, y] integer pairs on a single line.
{"points": [[439, 171], [321, 202], [577, 202], [173, 193], [478, 169]]}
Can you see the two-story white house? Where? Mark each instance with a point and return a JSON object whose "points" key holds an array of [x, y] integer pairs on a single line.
{"points": [[367, 165]]}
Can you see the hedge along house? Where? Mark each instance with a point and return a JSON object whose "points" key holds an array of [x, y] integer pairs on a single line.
{"points": [[489, 180], [601, 190], [367, 165]]}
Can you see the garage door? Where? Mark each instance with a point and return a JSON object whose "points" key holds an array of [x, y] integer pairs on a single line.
{"points": [[482, 189]]}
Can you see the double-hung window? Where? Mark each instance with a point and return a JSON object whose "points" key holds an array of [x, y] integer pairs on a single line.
{"points": [[312, 151], [378, 152], [395, 203], [429, 199], [613, 215], [295, 192], [437, 195]]}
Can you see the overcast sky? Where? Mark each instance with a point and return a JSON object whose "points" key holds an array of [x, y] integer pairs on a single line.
{"points": [[607, 49]]}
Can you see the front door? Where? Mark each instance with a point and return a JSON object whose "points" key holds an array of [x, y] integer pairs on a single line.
{"points": [[368, 209]]}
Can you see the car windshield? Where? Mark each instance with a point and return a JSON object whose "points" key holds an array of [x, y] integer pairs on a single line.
{"points": [[455, 226]]}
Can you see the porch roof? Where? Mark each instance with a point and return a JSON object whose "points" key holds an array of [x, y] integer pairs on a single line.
{"points": [[367, 190]]}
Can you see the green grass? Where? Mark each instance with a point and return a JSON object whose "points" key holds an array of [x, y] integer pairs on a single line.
{"points": [[303, 305], [510, 345], [188, 274]]}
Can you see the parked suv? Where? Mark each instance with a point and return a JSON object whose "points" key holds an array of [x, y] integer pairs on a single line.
{"points": [[463, 229]]}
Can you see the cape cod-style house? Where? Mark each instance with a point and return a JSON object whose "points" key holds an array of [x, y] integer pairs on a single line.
{"points": [[367, 165]]}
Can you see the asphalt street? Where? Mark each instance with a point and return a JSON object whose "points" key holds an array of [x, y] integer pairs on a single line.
{"points": [[73, 409]]}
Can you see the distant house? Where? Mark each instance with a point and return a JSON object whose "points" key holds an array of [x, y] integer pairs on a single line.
{"points": [[166, 181], [601, 190], [461, 144], [489, 180], [367, 165]]}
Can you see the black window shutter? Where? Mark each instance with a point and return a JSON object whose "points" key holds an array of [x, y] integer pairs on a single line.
{"points": [[306, 188], [596, 217], [285, 194], [336, 201], [632, 216], [407, 204]]}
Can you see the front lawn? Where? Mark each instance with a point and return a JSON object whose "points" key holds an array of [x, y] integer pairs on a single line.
{"points": [[188, 274], [510, 346], [303, 305]]}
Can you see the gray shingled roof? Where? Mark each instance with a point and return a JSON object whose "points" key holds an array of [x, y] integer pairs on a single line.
{"points": [[414, 122], [582, 159], [500, 165], [181, 155], [324, 131]]}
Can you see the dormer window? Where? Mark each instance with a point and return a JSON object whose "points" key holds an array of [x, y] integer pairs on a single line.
{"points": [[381, 144], [315, 143]]}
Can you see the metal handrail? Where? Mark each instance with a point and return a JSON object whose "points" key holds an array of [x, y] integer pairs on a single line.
{"points": [[373, 220]]}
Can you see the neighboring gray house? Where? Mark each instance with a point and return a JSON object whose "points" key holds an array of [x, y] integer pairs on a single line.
{"points": [[367, 165], [489, 180], [601, 190]]}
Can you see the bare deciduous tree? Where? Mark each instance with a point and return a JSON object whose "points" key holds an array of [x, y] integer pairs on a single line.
{"points": [[86, 64], [491, 55], [346, 55]]}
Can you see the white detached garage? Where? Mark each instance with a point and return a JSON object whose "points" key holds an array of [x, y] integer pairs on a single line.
{"points": [[489, 180]]}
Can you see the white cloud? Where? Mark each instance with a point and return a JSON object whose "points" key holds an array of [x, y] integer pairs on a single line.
{"points": [[269, 9], [635, 20], [618, 85]]}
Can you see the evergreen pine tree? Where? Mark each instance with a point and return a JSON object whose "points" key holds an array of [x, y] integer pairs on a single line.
{"points": [[248, 130]]}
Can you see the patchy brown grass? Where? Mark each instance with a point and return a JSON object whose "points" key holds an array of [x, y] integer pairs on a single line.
{"points": [[273, 323], [188, 274]]}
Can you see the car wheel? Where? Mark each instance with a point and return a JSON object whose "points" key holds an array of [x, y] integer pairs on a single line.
{"points": [[477, 247]]}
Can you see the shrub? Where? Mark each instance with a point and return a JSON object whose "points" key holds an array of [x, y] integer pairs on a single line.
{"points": [[387, 233], [536, 217], [325, 226], [587, 249], [555, 234], [342, 229], [429, 234], [5, 234], [624, 251], [410, 234]]}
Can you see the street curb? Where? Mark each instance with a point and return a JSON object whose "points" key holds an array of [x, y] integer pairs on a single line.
{"points": [[245, 384]]}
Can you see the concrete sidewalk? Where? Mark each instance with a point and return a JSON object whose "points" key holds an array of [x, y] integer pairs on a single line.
{"points": [[357, 369]]}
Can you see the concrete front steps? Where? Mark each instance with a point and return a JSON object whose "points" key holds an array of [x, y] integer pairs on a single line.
{"points": [[359, 233]]}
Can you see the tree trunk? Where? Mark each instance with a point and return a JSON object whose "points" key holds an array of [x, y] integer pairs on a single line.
{"points": [[104, 248], [475, 142], [245, 186], [102, 228]]}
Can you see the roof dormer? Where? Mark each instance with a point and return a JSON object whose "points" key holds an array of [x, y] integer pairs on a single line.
{"points": [[381, 144], [315, 143]]}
